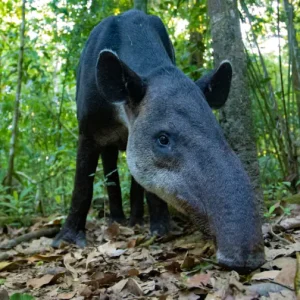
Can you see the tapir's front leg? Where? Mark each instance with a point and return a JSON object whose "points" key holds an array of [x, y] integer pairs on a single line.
{"points": [[73, 230], [159, 215], [136, 203], [109, 157]]}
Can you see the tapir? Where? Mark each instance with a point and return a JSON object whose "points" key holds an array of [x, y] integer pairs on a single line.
{"points": [[131, 96]]}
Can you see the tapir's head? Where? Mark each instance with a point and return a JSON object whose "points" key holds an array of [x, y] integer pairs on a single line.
{"points": [[177, 151]]}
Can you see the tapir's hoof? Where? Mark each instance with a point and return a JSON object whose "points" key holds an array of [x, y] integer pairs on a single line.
{"points": [[70, 236], [120, 220], [136, 221], [160, 228]]}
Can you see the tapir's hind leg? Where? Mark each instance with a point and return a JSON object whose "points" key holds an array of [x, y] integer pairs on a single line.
{"points": [[73, 230], [159, 215], [136, 203], [109, 157]]}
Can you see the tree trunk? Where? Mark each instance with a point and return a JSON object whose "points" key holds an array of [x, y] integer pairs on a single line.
{"points": [[236, 116], [295, 59], [13, 139], [141, 5]]}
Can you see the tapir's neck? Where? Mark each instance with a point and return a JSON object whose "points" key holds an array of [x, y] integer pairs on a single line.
{"points": [[143, 46]]}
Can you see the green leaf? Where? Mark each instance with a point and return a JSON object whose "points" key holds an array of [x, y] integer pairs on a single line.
{"points": [[19, 296]]}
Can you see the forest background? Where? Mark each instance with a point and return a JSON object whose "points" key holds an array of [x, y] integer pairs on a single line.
{"points": [[40, 46]]}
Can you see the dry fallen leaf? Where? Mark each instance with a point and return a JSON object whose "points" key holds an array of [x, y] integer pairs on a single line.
{"points": [[131, 244], [199, 280], [84, 291], [91, 257], [279, 263], [290, 223], [44, 280], [133, 287], [286, 250], [9, 266], [287, 275], [118, 287], [39, 257], [68, 260], [109, 249], [266, 275], [65, 296], [173, 267], [188, 262], [112, 231], [133, 272]]}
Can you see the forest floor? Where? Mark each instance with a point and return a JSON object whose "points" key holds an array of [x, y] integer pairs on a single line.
{"points": [[126, 263]]}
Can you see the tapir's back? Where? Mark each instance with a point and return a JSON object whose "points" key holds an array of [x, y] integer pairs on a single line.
{"points": [[140, 40]]}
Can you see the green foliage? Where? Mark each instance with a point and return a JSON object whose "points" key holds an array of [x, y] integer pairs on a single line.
{"points": [[19, 296], [286, 211]]}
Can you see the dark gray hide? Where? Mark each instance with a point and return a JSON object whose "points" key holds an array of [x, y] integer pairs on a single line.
{"points": [[129, 91]]}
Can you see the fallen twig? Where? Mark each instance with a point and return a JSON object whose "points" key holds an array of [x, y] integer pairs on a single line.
{"points": [[279, 237], [48, 232]]}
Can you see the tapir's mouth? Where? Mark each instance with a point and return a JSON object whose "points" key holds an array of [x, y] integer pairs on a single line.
{"points": [[245, 266], [234, 257]]}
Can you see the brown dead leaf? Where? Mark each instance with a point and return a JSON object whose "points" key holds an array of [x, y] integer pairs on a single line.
{"points": [[44, 280], [102, 280], [9, 266], [199, 280], [188, 262], [173, 267], [112, 231], [84, 291], [266, 275], [48, 258], [131, 244], [279, 263], [109, 249], [288, 250], [69, 295], [287, 275], [133, 272], [91, 257], [68, 260]]}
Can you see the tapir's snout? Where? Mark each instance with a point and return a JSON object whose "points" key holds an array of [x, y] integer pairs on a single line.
{"points": [[242, 264]]}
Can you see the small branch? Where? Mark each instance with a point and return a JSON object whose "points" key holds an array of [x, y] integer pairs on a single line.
{"points": [[279, 237], [48, 232]]}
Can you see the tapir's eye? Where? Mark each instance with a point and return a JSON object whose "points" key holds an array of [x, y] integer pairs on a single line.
{"points": [[163, 140]]}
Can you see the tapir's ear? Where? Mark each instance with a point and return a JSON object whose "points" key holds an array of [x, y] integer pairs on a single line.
{"points": [[117, 83], [216, 85]]}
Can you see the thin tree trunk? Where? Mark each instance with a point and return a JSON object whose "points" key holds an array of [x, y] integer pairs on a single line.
{"points": [[271, 102], [236, 116], [14, 134], [295, 60], [141, 5]]}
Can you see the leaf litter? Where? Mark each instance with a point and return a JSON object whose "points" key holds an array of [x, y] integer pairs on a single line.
{"points": [[127, 263]]}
